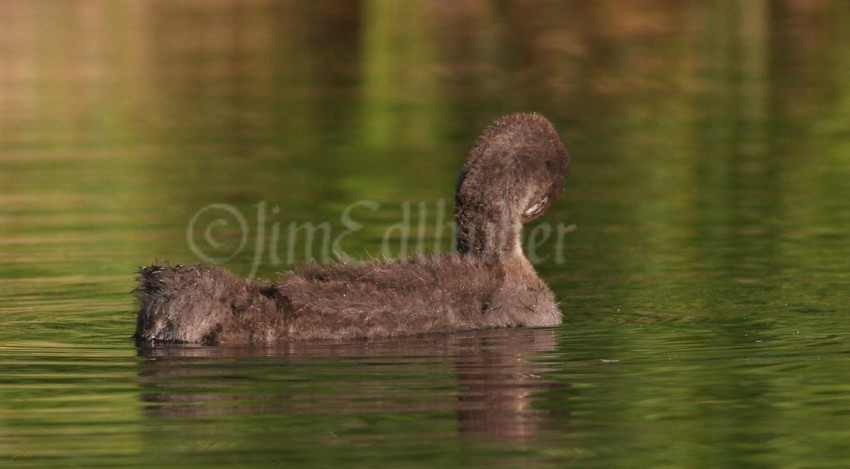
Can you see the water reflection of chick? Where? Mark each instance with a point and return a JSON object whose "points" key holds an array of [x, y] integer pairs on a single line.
{"points": [[485, 378], [512, 175]]}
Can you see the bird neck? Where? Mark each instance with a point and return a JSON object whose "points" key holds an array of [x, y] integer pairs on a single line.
{"points": [[493, 235]]}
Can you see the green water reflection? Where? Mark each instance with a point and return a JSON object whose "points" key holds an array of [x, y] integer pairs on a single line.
{"points": [[703, 267]]}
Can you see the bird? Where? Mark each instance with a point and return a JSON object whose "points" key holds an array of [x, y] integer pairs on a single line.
{"points": [[511, 176]]}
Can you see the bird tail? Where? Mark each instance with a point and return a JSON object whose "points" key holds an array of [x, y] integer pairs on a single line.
{"points": [[193, 303]]}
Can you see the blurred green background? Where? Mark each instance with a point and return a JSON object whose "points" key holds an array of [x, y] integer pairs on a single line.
{"points": [[705, 220]]}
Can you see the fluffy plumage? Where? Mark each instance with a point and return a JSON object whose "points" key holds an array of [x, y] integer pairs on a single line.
{"points": [[514, 172]]}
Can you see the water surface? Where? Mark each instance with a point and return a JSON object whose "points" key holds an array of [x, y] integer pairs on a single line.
{"points": [[700, 250]]}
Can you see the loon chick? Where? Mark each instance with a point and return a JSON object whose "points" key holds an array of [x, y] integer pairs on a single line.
{"points": [[513, 173]]}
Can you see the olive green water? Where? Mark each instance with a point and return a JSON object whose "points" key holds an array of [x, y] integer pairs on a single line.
{"points": [[700, 251]]}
